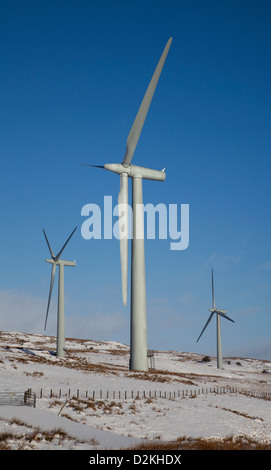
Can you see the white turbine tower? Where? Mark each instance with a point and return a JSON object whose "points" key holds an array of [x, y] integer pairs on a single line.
{"points": [[138, 327], [219, 313], [56, 261]]}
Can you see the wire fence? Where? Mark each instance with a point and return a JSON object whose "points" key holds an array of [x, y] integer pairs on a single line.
{"points": [[131, 394], [27, 398]]}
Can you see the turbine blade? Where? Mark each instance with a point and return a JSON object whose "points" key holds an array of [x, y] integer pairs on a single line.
{"points": [[59, 254], [50, 249], [50, 292], [143, 110], [213, 289], [123, 233], [224, 316], [206, 324], [93, 166]]}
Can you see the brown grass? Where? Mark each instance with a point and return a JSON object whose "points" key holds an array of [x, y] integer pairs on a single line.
{"points": [[183, 443], [80, 405], [245, 415], [162, 376], [10, 441]]}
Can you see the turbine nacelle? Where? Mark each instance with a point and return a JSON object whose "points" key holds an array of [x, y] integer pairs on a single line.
{"points": [[136, 171], [217, 310], [60, 261]]}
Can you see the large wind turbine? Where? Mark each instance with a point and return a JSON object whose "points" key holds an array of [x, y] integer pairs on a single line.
{"points": [[219, 313], [56, 261], [138, 327]]}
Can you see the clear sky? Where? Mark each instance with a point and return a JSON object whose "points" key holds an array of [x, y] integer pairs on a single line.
{"points": [[72, 76]]}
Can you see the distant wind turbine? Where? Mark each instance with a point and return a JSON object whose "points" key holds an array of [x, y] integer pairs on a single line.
{"points": [[219, 313], [138, 328], [56, 261]]}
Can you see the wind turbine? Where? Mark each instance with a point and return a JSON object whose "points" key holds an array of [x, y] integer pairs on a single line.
{"points": [[219, 313], [56, 261], [138, 327]]}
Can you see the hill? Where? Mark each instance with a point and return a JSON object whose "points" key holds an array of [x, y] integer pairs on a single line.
{"points": [[90, 399]]}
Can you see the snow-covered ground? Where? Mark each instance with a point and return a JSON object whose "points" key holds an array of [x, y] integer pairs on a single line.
{"points": [[90, 399]]}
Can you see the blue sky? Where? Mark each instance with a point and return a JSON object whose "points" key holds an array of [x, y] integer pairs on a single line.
{"points": [[72, 77]]}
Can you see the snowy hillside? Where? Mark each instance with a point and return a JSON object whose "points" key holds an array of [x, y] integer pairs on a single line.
{"points": [[90, 399]]}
